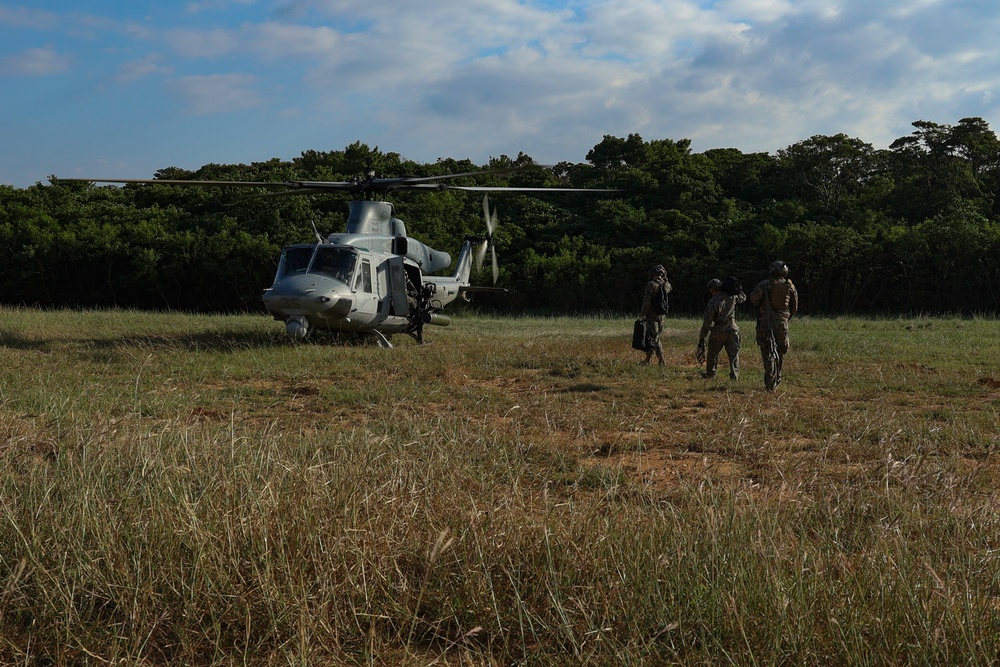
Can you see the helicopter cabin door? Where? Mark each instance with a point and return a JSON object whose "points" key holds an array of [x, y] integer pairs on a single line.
{"points": [[397, 287], [365, 301]]}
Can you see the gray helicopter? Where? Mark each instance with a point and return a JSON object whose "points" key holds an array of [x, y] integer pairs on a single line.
{"points": [[372, 279]]}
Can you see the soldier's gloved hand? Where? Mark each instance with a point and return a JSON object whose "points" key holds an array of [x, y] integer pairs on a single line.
{"points": [[700, 355]]}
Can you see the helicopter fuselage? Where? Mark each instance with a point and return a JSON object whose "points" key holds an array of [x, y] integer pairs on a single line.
{"points": [[370, 279]]}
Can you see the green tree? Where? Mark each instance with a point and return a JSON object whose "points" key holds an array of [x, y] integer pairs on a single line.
{"points": [[828, 173], [938, 167]]}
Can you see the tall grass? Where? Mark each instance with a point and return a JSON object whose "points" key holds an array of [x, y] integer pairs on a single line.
{"points": [[181, 489]]}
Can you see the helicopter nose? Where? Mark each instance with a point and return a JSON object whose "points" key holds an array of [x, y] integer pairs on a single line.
{"points": [[309, 295], [335, 306]]}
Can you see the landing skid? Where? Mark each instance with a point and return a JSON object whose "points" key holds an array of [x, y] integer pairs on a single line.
{"points": [[381, 339]]}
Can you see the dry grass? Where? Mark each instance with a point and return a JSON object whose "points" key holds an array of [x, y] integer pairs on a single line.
{"points": [[194, 490]]}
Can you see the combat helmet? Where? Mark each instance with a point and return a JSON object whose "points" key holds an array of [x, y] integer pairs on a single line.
{"points": [[714, 283], [779, 268], [658, 270]]}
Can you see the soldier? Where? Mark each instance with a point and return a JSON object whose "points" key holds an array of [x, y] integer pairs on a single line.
{"points": [[776, 300], [654, 307], [720, 327]]}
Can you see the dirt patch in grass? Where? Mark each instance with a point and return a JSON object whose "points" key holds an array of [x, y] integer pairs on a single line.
{"points": [[659, 432], [989, 383]]}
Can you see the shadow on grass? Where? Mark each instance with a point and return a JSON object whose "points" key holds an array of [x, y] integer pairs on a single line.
{"points": [[231, 340], [209, 341], [15, 341], [584, 387], [226, 340]]}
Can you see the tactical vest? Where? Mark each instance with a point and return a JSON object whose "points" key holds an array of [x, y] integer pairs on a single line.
{"points": [[780, 291]]}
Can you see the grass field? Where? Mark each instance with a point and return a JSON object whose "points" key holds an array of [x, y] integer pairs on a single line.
{"points": [[195, 490]]}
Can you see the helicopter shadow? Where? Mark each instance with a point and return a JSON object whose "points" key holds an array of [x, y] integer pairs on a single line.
{"points": [[16, 341], [222, 341], [234, 340]]}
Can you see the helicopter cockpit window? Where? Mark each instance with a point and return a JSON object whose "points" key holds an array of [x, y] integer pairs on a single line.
{"points": [[294, 260], [363, 282], [338, 263]]}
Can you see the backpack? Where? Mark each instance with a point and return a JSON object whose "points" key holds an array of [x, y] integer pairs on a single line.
{"points": [[660, 304], [732, 285]]}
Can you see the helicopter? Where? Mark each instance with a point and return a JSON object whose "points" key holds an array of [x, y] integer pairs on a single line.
{"points": [[372, 279]]}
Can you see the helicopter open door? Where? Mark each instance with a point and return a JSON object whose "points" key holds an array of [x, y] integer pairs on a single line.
{"points": [[397, 287]]}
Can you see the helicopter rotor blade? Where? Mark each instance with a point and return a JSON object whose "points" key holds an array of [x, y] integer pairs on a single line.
{"points": [[368, 185], [480, 256], [481, 250], [496, 267], [502, 188], [491, 226], [291, 187], [171, 181]]}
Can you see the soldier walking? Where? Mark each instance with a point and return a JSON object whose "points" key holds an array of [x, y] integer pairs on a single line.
{"points": [[777, 301], [720, 328], [654, 307]]}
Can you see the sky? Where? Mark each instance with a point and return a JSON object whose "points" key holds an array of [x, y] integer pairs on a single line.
{"points": [[120, 89]]}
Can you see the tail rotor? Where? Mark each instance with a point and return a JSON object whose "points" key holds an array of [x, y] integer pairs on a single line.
{"points": [[491, 223]]}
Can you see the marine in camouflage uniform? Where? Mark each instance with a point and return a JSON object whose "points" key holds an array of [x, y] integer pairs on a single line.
{"points": [[651, 311], [720, 330], [777, 301]]}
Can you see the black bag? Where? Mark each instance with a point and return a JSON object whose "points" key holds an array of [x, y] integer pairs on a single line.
{"points": [[732, 285], [640, 335]]}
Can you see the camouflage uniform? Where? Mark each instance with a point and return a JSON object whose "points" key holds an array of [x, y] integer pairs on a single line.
{"points": [[777, 301], [722, 331], [650, 310]]}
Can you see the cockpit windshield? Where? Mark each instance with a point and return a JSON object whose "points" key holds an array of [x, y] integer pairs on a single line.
{"points": [[295, 260], [336, 262]]}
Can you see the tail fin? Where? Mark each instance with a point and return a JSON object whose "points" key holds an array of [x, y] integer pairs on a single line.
{"points": [[463, 267]]}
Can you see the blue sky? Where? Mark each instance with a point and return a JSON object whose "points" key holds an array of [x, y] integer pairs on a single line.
{"points": [[120, 89]]}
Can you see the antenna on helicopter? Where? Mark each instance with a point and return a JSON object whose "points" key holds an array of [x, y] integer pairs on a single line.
{"points": [[319, 237]]}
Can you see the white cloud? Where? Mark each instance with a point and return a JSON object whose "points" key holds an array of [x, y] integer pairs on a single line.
{"points": [[34, 62], [754, 73], [23, 17], [217, 93], [756, 11], [140, 69], [211, 5], [273, 41], [199, 43]]}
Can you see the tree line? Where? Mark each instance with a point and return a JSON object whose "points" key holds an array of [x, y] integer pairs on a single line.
{"points": [[912, 228]]}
